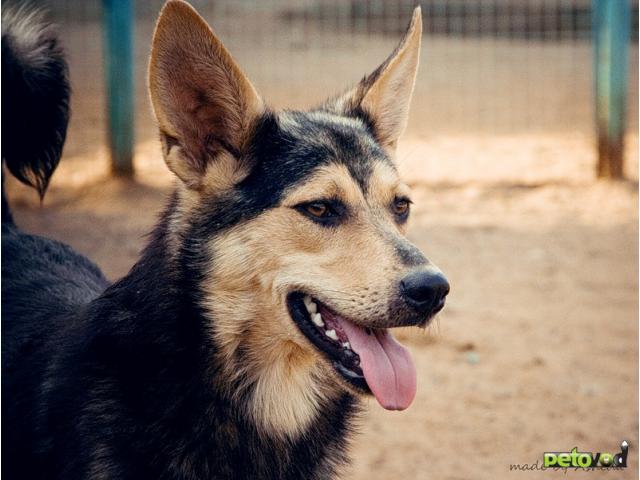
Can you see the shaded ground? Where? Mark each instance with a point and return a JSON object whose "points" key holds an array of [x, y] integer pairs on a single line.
{"points": [[537, 349]]}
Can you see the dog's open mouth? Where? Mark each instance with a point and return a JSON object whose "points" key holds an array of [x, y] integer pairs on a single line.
{"points": [[371, 360]]}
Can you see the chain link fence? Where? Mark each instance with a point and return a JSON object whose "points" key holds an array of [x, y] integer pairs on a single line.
{"points": [[488, 67]]}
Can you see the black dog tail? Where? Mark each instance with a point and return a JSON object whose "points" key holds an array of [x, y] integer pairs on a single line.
{"points": [[35, 100]]}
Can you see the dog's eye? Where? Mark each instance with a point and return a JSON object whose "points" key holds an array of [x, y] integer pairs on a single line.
{"points": [[325, 212], [401, 207], [319, 210]]}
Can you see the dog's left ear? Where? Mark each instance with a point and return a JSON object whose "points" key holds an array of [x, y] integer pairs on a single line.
{"points": [[383, 97]]}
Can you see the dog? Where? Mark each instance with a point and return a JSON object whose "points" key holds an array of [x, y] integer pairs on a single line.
{"points": [[259, 313]]}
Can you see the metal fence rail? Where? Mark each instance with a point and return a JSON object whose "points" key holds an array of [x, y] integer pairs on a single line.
{"points": [[524, 19]]}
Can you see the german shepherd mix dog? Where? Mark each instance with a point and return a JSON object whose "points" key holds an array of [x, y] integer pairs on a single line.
{"points": [[260, 311]]}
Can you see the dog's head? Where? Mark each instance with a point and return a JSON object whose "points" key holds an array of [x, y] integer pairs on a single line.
{"points": [[293, 223]]}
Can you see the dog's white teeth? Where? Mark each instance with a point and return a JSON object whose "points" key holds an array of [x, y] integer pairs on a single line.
{"points": [[346, 345], [310, 304], [331, 334], [317, 319]]}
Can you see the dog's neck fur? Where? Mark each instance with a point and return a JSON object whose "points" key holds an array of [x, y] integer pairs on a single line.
{"points": [[153, 309]]}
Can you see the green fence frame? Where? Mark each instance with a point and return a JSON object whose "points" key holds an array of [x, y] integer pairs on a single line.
{"points": [[118, 19], [611, 24]]}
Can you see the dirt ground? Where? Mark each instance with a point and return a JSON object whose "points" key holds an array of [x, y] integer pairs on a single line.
{"points": [[537, 349]]}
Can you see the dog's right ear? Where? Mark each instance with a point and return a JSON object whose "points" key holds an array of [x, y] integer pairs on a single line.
{"points": [[205, 106]]}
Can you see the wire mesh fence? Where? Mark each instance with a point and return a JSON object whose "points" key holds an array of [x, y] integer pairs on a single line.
{"points": [[488, 67]]}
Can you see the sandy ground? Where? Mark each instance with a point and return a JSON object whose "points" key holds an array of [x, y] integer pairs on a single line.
{"points": [[537, 349]]}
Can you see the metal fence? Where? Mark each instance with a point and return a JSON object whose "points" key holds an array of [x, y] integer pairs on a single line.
{"points": [[488, 67]]}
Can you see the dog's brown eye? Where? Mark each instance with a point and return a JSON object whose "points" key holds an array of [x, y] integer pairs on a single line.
{"points": [[319, 210], [401, 207], [324, 212]]}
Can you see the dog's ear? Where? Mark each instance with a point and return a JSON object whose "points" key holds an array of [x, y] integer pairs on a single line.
{"points": [[205, 106], [383, 97]]}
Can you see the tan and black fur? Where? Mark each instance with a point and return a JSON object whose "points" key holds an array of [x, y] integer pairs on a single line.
{"points": [[191, 366]]}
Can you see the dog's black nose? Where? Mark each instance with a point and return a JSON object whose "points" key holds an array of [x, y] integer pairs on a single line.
{"points": [[425, 291]]}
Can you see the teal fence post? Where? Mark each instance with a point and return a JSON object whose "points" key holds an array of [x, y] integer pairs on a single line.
{"points": [[118, 53], [611, 23]]}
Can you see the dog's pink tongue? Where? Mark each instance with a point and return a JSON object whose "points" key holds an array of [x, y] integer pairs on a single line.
{"points": [[386, 364]]}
